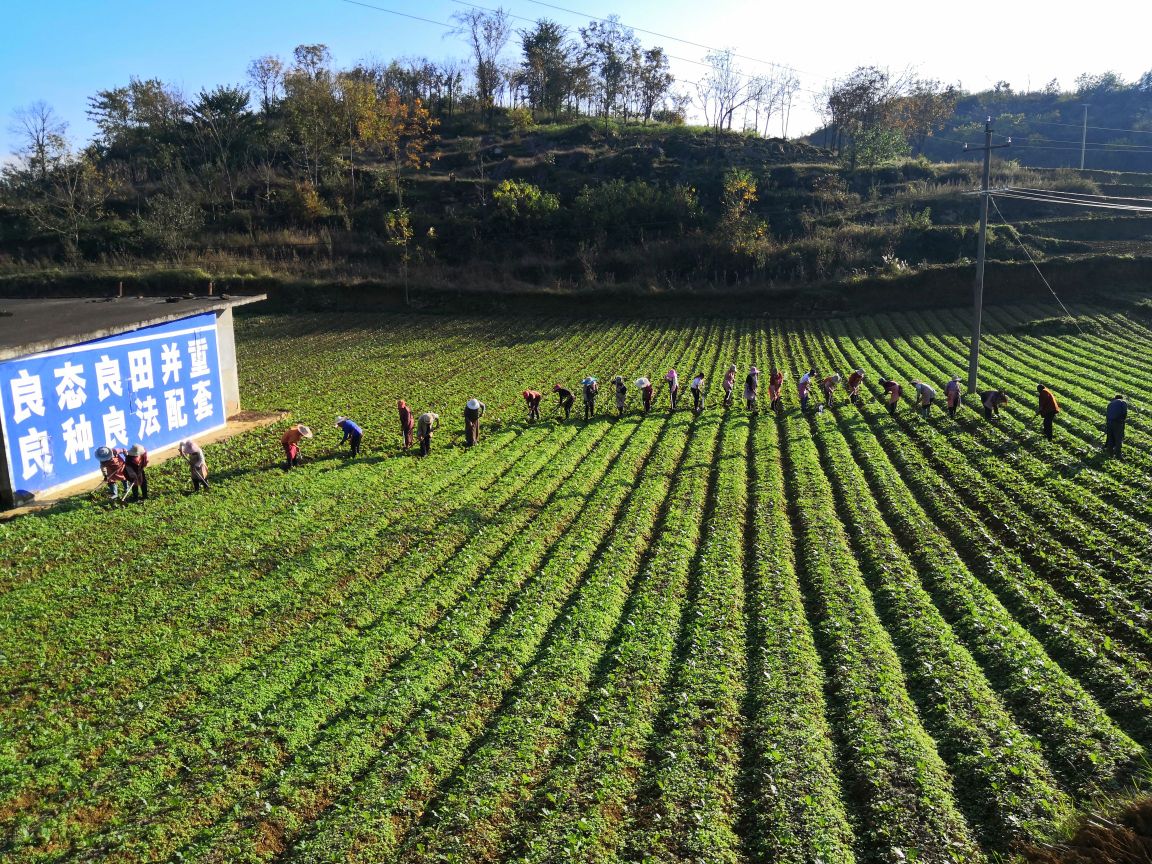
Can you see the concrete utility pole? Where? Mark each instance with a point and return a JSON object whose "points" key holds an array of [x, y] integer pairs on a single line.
{"points": [[978, 300], [1084, 138]]}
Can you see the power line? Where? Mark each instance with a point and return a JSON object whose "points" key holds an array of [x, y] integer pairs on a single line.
{"points": [[401, 14], [1080, 126], [1081, 194], [1016, 235]]}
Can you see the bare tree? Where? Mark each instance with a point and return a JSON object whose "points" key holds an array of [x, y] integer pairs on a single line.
{"points": [[487, 33], [724, 89], [42, 133], [267, 77]]}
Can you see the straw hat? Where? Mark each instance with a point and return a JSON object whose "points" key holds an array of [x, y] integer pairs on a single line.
{"points": [[103, 454], [305, 431], [136, 450], [473, 404]]}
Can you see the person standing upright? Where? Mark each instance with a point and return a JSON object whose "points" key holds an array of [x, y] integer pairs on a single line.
{"points": [[1047, 407], [1115, 417], [952, 395]]}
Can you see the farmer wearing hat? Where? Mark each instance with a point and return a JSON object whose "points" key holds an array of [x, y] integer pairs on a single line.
{"points": [[590, 387], [673, 381], [775, 386], [427, 422], [829, 385], [353, 434], [1048, 408], [894, 391], [290, 441], [728, 383], [566, 399], [621, 394], [112, 467], [752, 388], [646, 392], [135, 461], [925, 396], [952, 395], [532, 398], [194, 456], [803, 386], [697, 388], [473, 411], [406, 422], [854, 382]]}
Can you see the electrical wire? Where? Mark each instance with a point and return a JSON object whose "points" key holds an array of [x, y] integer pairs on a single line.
{"points": [[1123, 208], [1080, 194], [1081, 126]]}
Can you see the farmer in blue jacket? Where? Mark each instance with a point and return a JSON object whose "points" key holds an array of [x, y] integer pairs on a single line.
{"points": [[352, 434]]}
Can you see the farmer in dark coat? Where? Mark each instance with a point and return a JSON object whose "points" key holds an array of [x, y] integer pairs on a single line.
{"points": [[1115, 416], [427, 422], [473, 411], [992, 400], [135, 461], [566, 399], [621, 394]]}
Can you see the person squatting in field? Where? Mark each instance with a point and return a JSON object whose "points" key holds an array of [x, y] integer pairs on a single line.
{"points": [[697, 387], [952, 395], [112, 467], [532, 399], [829, 385], [353, 434], [728, 383], [925, 396], [992, 400], [621, 394], [854, 382], [646, 391], [803, 386], [894, 391], [473, 411], [194, 456], [290, 441], [425, 425], [1115, 416], [565, 400], [406, 423], [1048, 408], [775, 388], [135, 461], [752, 388], [673, 382], [589, 388]]}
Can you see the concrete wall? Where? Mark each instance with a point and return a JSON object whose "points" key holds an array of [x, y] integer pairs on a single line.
{"points": [[229, 374]]}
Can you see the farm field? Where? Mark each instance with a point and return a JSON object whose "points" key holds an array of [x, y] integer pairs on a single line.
{"points": [[836, 637]]}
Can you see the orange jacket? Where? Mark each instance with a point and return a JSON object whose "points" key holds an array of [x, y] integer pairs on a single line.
{"points": [[1048, 404], [292, 436]]}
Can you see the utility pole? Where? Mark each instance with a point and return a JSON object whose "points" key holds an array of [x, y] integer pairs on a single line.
{"points": [[978, 299], [1084, 137]]}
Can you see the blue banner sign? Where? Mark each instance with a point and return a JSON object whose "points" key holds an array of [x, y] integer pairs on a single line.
{"points": [[153, 386]]}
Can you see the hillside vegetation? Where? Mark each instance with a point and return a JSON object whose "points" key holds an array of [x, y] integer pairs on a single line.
{"points": [[404, 177]]}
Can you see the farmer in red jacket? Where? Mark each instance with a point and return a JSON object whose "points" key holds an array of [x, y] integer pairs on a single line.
{"points": [[290, 441], [854, 382], [1048, 408], [112, 467], [135, 461], [407, 424]]}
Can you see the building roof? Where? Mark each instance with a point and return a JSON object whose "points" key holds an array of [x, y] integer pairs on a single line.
{"points": [[32, 326]]}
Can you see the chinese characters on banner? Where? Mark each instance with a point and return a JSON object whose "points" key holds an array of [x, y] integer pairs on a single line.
{"points": [[154, 386]]}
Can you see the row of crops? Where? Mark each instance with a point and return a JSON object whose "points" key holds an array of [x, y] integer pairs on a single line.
{"points": [[730, 637]]}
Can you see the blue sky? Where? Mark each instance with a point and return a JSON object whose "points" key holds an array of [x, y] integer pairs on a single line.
{"points": [[64, 51]]}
